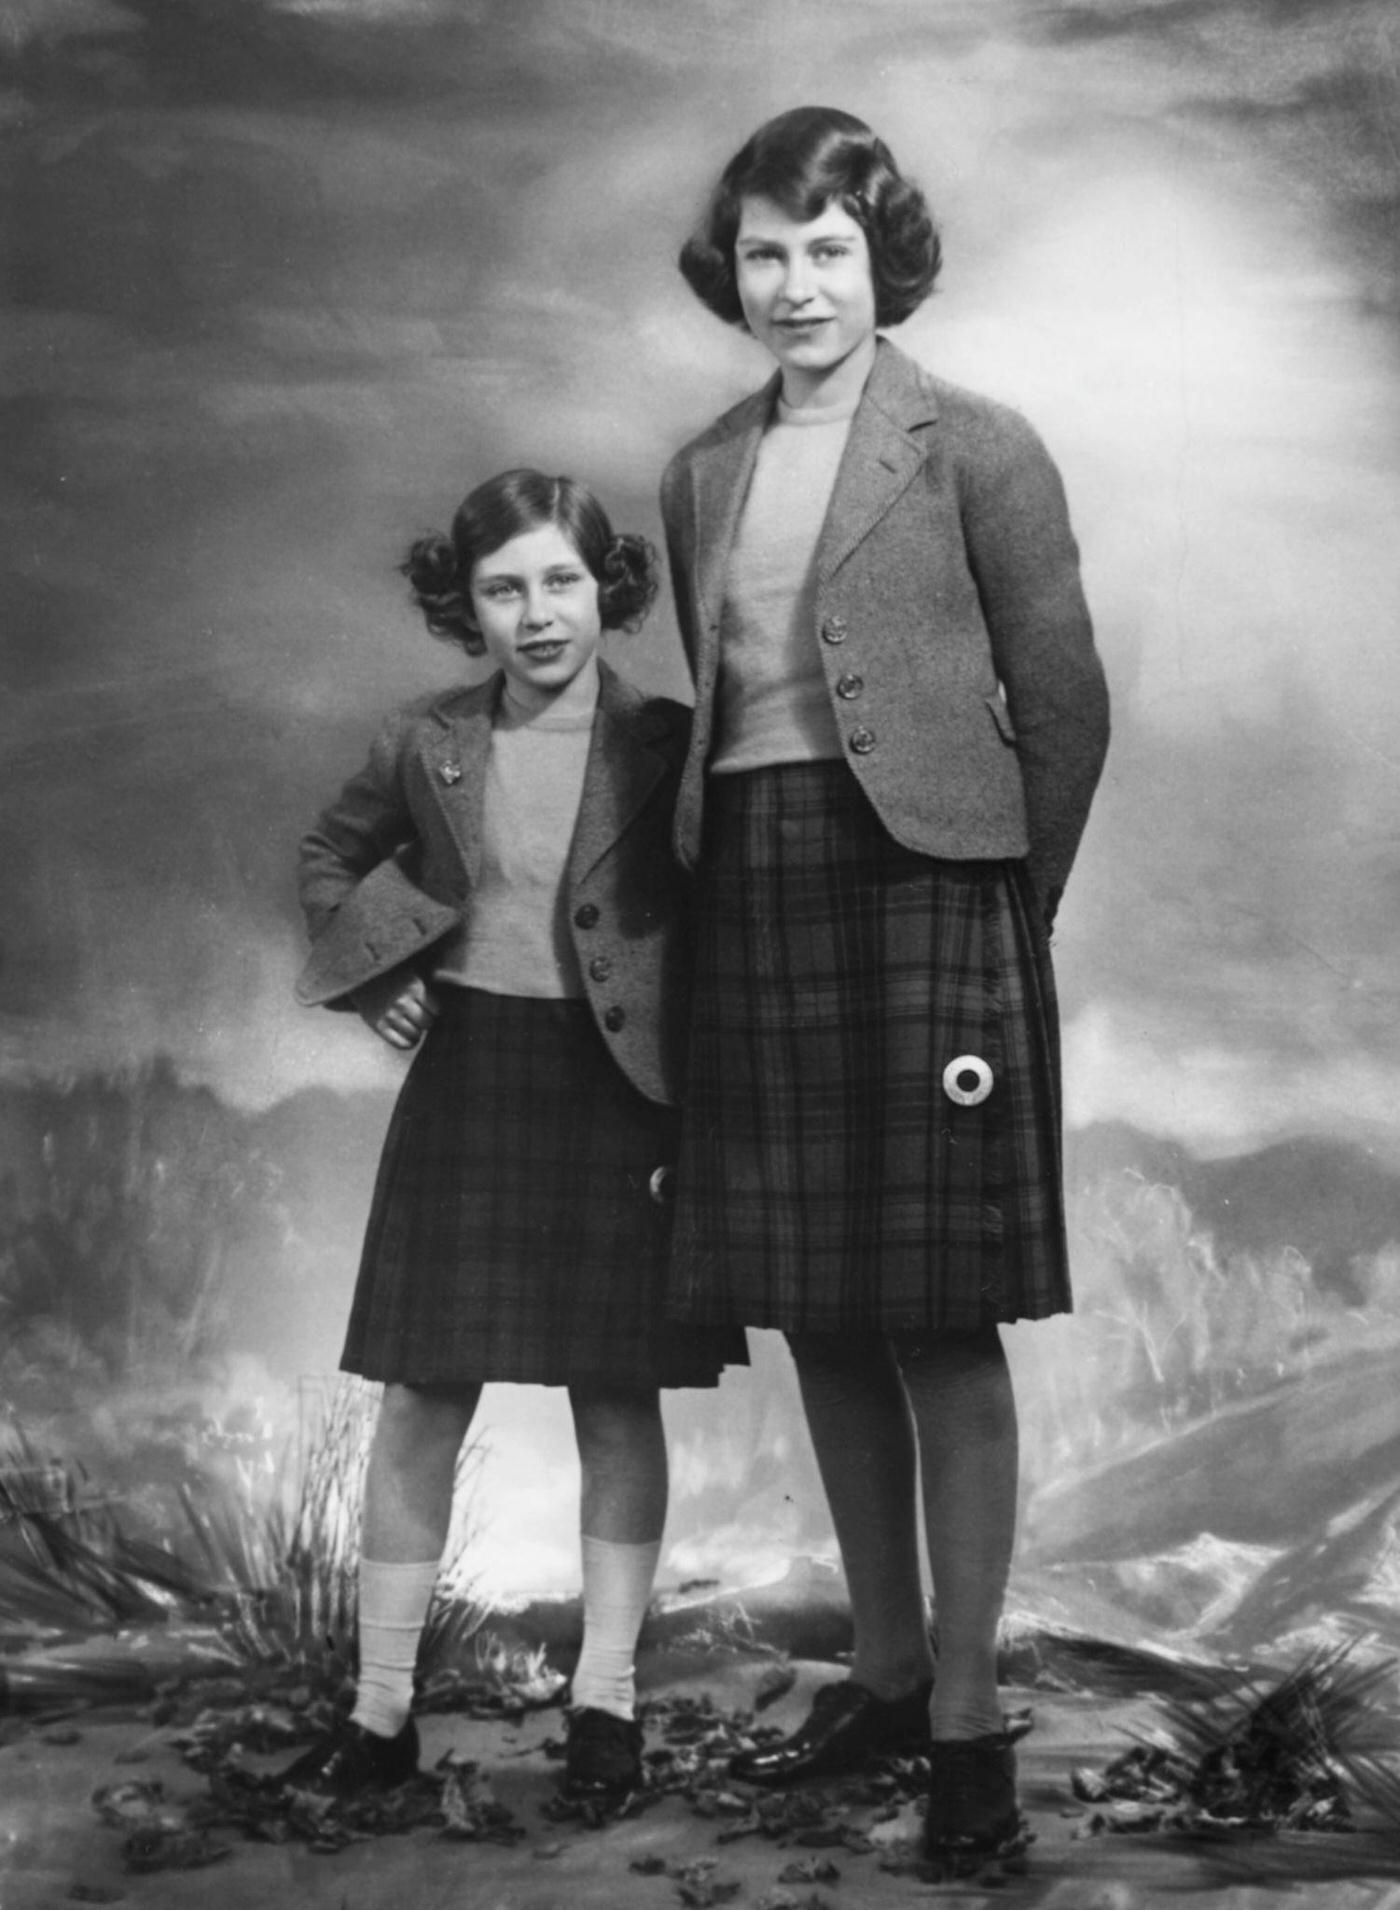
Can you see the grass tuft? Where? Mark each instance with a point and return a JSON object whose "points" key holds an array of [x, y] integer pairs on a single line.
{"points": [[1269, 1750], [268, 1576]]}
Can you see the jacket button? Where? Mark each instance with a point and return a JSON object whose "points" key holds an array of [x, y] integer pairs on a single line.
{"points": [[600, 968], [849, 686], [862, 740], [834, 630], [613, 1019], [586, 915]]}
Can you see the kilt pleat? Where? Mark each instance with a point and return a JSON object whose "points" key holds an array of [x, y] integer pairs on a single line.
{"points": [[514, 1234], [827, 1180]]}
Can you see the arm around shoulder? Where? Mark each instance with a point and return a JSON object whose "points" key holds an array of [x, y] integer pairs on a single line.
{"points": [[677, 521]]}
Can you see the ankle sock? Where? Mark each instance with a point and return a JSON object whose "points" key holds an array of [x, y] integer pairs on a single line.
{"points": [[394, 1602], [617, 1582]]}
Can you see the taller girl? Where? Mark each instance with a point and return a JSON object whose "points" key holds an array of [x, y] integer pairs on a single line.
{"points": [[900, 721]]}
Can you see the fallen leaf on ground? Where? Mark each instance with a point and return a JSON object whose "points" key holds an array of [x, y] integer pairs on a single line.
{"points": [[813, 1870], [472, 1809]]}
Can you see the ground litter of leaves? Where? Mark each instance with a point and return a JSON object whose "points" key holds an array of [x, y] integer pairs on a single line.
{"points": [[1229, 1760], [1252, 1753], [228, 1736]]}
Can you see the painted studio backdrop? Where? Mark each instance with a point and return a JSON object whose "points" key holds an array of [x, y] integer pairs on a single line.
{"points": [[281, 279]]}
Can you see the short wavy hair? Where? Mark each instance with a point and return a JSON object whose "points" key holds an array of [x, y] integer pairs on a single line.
{"points": [[803, 160], [439, 568]]}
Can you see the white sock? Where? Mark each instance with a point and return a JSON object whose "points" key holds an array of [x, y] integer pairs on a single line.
{"points": [[617, 1582], [394, 1602]]}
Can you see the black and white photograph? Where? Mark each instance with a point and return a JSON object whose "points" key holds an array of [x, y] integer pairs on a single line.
{"points": [[699, 1014]]}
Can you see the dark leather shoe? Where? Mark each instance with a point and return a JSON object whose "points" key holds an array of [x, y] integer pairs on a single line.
{"points": [[352, 1762], [846, 1727], [972, 1811], [603, 1760]]}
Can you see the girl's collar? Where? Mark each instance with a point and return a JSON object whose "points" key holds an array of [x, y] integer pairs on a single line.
{"points": [[838, 413]]}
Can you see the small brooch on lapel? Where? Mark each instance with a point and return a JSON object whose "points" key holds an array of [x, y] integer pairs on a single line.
{"points": [[450, 773]]}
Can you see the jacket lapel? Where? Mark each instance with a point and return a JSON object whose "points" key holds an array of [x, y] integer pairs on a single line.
{"points": [[881, 456], [455, 756], [721, 473], [620, 775]]}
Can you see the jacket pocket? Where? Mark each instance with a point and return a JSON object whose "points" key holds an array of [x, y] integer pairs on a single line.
{"points": [[1001, 716]]}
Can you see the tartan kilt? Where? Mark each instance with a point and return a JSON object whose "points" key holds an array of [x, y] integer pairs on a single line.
{"points": [[827, 1179], [513, 1233]]}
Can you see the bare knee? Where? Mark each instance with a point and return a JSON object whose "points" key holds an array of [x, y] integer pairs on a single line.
{"points": [[842, 1368], [837, 1352], [613, 1421], [978, 1354], [423, 1425], [959, 1382]]}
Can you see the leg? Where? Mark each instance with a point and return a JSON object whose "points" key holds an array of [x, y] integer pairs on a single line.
{"points": [[408, 1507], [622, 1456], [412, 1464], [858, 1416], [960, 1389]]}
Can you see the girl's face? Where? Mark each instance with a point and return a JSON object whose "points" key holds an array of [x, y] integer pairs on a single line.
{"points": [[807, 293], [535, 603]]}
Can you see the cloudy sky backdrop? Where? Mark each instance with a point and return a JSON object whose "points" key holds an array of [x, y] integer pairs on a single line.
{"points": [[283, 278]]}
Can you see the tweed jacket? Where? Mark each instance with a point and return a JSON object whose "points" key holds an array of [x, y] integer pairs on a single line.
{"points": [[387, 870], [957, 648]]}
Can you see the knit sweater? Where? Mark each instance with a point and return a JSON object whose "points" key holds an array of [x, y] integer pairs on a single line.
{"points": [[515, 940], [773, 702]]}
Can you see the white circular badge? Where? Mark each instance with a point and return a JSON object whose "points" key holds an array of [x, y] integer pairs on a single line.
{"points": [[659, 1186], [967, 1080]]}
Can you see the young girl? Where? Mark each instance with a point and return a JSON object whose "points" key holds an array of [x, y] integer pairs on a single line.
{"points": [[900, 720], [495, 888]]}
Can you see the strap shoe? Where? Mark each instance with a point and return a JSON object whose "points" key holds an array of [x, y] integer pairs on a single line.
{"points": [[972, 1810], [846, 1727], [603, 1758], [349, 1761]]}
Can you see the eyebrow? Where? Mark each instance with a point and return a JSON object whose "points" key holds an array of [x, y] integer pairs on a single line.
{"points": [[771, 238], [485, 576]]}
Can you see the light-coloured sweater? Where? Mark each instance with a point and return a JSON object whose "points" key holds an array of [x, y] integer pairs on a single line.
{"points": [[515, 940], [773, 702]]}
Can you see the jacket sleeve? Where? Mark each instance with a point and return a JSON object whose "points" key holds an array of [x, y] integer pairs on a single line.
{"points": [[364, 825], [1025, 562]]}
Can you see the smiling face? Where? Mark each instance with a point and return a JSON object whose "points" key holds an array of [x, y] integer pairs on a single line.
{"points": [[807, 295], [535, 603]]}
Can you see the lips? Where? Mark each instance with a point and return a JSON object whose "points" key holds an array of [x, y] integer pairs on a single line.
{"points": [[543, 651]]}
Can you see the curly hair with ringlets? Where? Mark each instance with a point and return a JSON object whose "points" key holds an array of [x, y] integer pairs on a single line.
{"points": [[439, 567]]}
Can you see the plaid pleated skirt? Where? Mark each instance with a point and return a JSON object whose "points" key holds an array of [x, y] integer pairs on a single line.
{"points": [[872, 1133], [514, 1232]]}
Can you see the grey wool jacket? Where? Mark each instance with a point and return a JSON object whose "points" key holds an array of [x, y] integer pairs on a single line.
{"points": [[956, 643], [387, 870]]}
